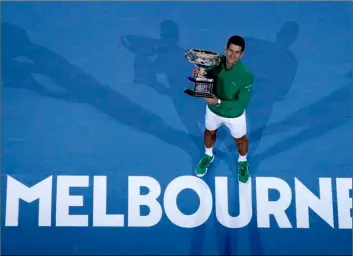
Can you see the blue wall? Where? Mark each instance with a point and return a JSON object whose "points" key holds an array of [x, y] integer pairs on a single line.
{"points": [[96, 89]]}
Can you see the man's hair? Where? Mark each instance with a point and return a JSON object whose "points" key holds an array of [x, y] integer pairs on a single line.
{"points": [[237, 40]]}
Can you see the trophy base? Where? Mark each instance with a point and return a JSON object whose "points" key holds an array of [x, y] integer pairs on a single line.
{"points": [[203, 88], [198, 95]]}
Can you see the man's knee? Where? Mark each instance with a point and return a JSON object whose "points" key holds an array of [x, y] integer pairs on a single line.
{"points": [[242, 139], [209, 132]]}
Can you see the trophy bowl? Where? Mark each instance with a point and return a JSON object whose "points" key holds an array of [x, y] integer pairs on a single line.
{"points": [[203, 86]]}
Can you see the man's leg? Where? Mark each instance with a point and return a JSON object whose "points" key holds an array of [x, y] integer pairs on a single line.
{"points": [[237, 127], [242, 147], [212, 123], [243, 166]]}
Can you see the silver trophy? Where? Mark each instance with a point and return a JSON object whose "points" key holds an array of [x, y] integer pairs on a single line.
{"points": [[203, 86]]}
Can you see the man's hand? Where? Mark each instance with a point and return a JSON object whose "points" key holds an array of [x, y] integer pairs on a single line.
{"points": [[211, 101], [198, 72]]}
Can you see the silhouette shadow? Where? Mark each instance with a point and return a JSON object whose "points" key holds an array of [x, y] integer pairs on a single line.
{"points": [[163, 55], [78, 87], [317, 119], [274, 67], [17, 72]]}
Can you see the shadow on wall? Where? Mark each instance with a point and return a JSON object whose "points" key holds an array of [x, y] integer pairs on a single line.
{"points": [[318, 119], [154, 56], [22, 59], [164, 55], [275, 68]]}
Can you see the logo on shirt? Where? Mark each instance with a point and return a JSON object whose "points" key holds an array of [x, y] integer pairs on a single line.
{"points": [[248, 87]]}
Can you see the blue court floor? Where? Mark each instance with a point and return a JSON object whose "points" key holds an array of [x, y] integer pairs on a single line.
{"points": [[99, 142]]}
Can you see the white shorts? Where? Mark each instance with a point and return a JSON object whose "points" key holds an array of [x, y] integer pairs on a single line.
{"points": [[236, 126]]}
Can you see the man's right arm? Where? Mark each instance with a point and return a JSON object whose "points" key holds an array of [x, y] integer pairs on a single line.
{"points": [[209, 72]]}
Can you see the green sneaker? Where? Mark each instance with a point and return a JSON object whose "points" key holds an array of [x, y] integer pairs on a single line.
{"points": [[203, 165], [243, 171]]}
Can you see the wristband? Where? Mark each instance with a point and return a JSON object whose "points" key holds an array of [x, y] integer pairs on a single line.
{"points": [[219, 102]]}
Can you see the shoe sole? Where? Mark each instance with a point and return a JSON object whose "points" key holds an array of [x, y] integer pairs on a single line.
{"points": [[246, 180], [201, 175]]}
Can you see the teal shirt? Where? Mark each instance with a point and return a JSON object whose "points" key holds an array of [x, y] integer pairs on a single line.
{"points": [[233, 87]]}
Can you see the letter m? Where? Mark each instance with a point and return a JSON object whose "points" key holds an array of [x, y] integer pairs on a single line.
{"points": [[16, 190]]}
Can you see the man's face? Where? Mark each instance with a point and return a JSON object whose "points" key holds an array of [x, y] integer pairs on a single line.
{"points": [[233, 54]]}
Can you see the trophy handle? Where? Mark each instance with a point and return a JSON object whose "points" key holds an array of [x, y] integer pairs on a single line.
{"points": [[189, 92]]}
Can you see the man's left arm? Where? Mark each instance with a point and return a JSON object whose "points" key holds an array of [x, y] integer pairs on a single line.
{"points": [[241, 102], [243, 98]]}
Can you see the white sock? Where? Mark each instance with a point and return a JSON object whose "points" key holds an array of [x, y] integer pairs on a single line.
{"points": [[209, 151], [242, 158]]}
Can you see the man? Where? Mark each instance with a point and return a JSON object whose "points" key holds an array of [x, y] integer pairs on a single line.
{"points": [[233, 90]]}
